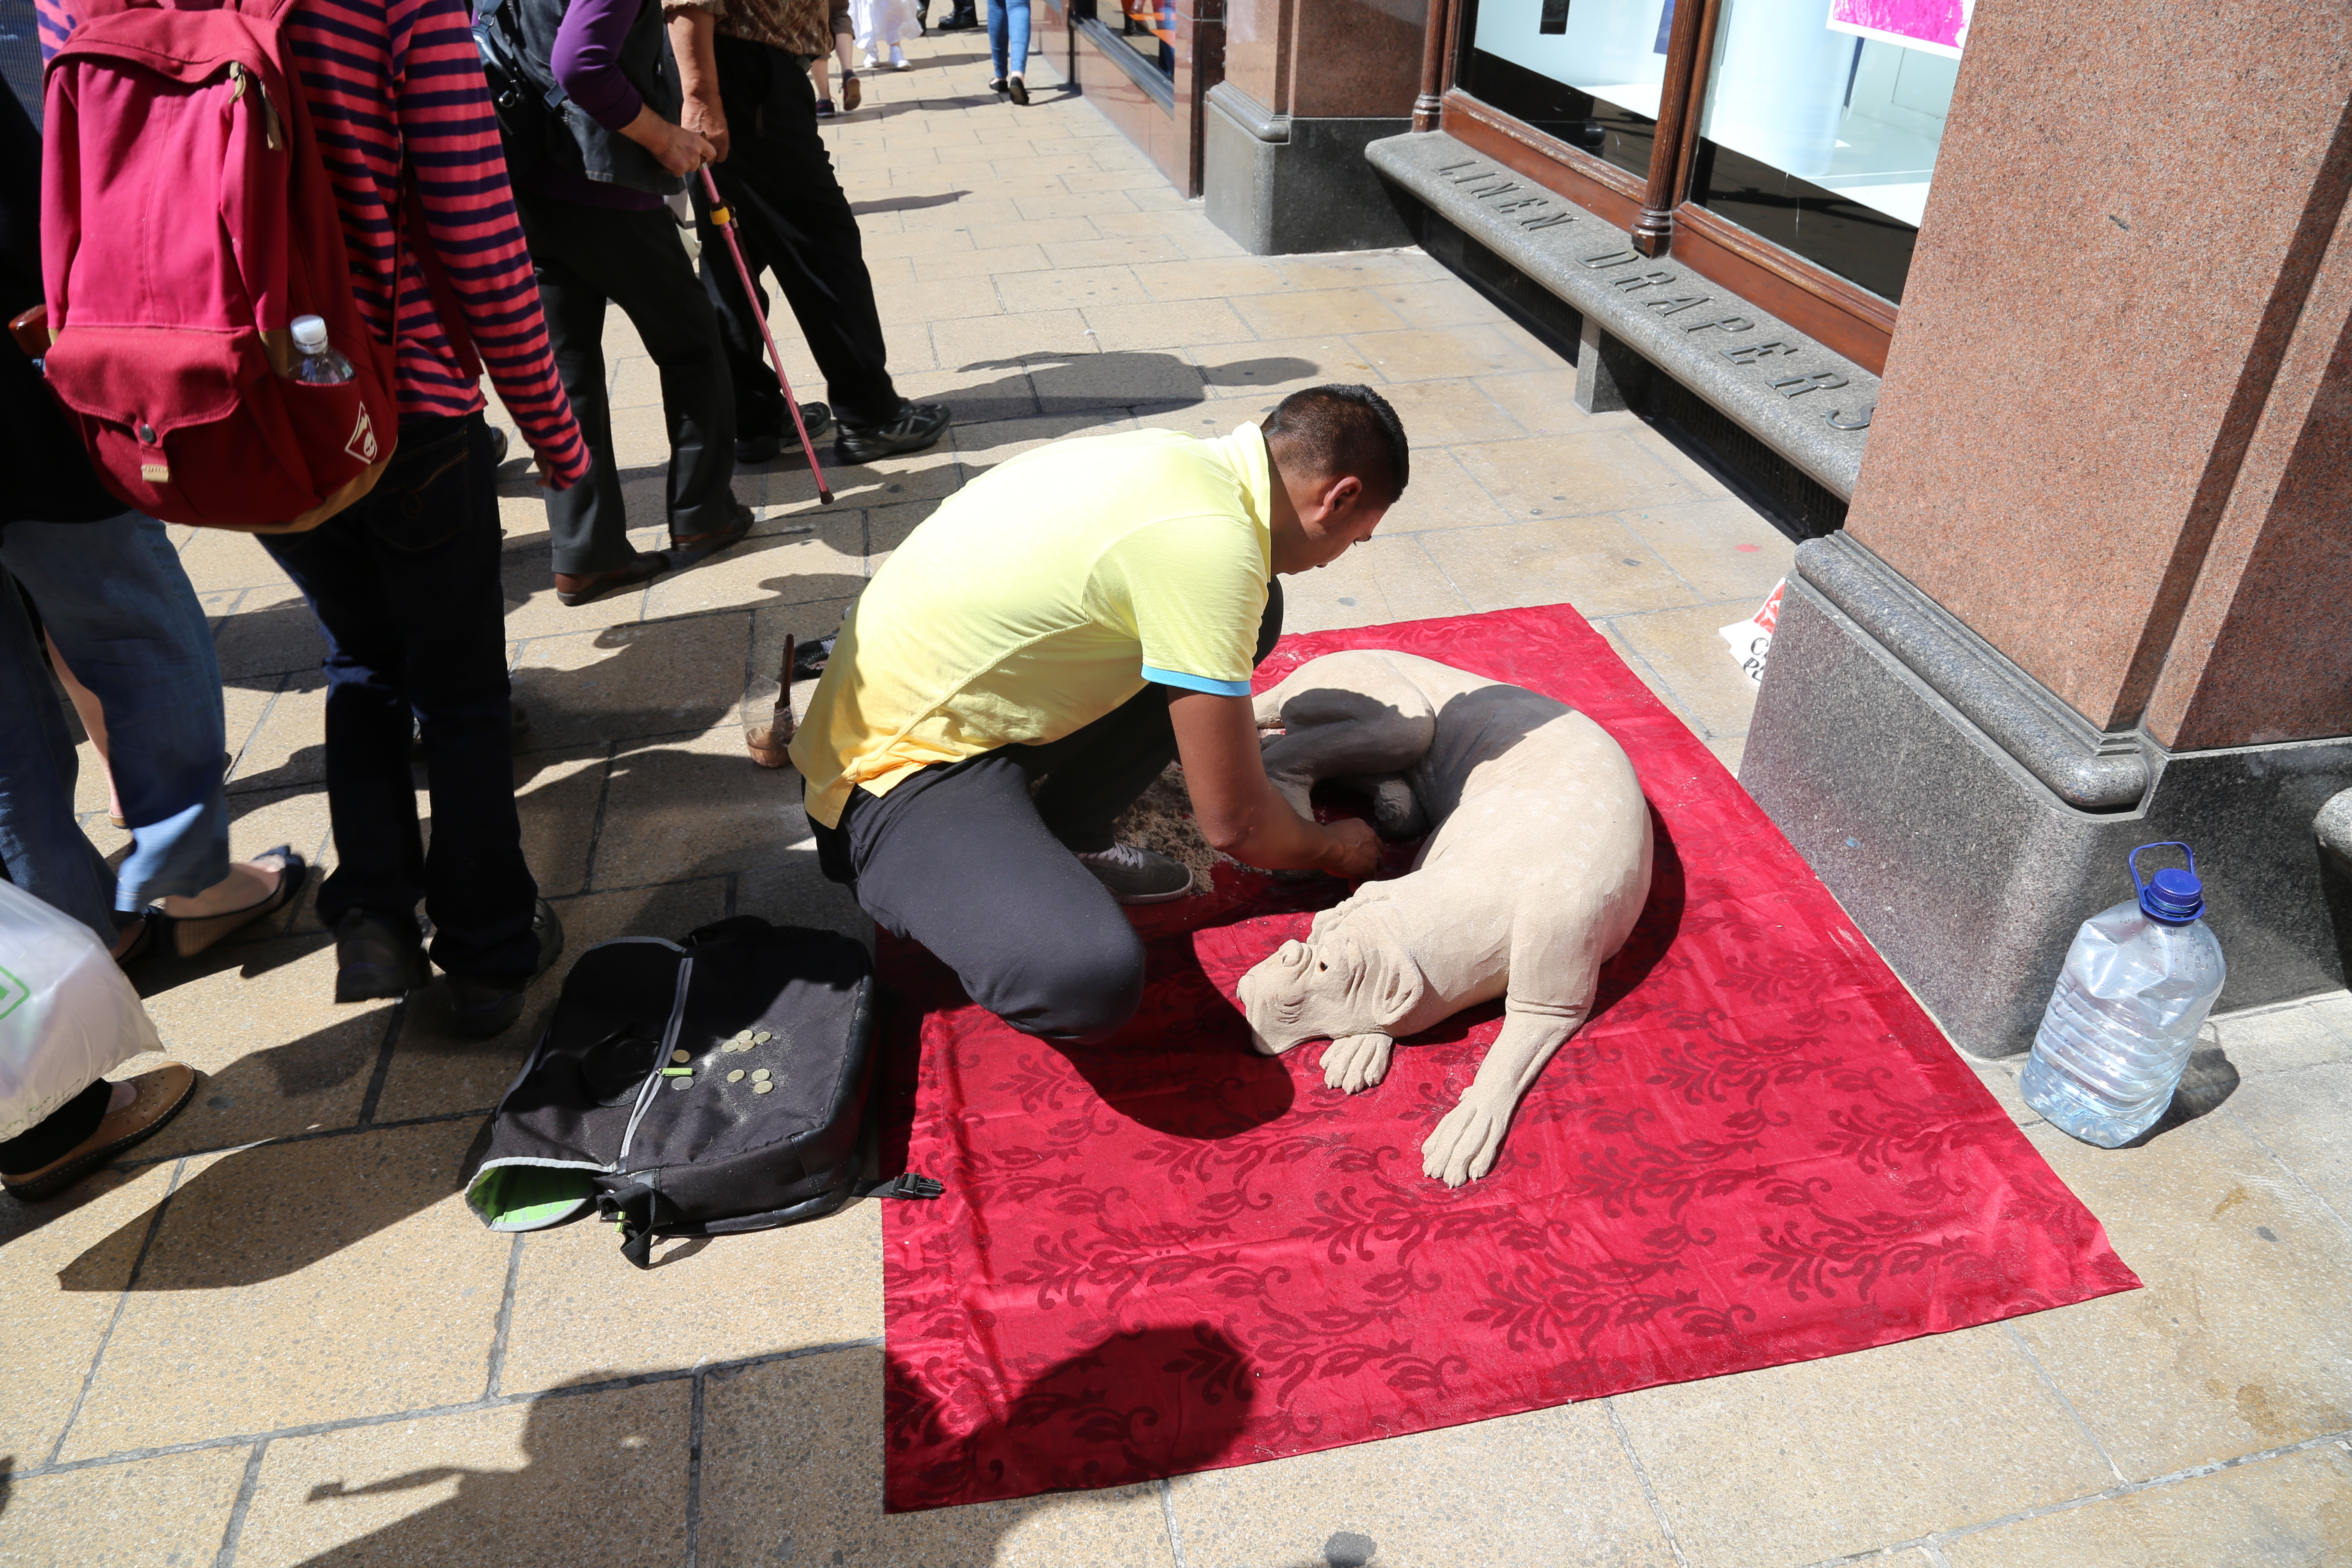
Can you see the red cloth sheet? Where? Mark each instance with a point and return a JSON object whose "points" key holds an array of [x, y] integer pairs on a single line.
{"points": [[1169, 1253]]}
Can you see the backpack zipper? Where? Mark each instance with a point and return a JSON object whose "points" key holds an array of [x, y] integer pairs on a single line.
{"points": [[655, 1080]]}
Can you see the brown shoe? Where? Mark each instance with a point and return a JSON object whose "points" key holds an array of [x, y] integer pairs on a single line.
{"points": [[162, 1094], [574, 589]]}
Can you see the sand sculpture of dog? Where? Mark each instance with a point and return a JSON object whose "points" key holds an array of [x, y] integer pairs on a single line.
{"points": [[1537, 868]]}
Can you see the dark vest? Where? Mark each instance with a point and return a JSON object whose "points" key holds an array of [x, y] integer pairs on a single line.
{"points": [[520, 35]]}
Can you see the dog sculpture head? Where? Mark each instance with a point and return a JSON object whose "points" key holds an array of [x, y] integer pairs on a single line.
{"points": [[1344, 979]]}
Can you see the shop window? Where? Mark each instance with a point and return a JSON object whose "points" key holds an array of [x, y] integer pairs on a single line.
{"points": [[1145, 29], [1586, 71], [1822, 122]]}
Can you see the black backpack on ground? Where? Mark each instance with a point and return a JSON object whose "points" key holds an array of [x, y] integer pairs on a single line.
{"points": [[644, 1097]]}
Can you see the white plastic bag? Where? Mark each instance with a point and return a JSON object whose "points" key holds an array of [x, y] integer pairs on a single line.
{"points": [[67, 1015]]}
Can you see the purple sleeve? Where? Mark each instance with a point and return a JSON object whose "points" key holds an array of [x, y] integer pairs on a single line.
{"points": [[587, 59]]}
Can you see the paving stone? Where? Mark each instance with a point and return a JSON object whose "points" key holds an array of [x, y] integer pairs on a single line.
{"points": [[298, 1282], [805, 623], [796, 892], [1354, 269], [1172, 324], [1209, 279], [792, 1472], [54, 1331], [695, 807], [820, 564], [1544, 401], [1592, 563], [1082, 287], [2242, 1339], [629, 680], [171, 1509], [1573, 475], [1798, 1463], [1297, 313], [223, 558], [1494, 1491], [1379, 581], [1723, 549], [707, 1300], [272, 632], [2281, 1039], [1444, 302], [1443, 495], [2297, 1508], [288, 745], [1266, 372], [1418, 354], [1684, 649], [279, 1055], [434, 1071], [586, 1480], [1449, 413], [2301, 1117]]}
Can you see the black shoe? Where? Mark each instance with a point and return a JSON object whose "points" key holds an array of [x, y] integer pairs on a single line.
{"points": [[963, 19], [482, 1008], [753, 450], [918, 426], [375, 958]]}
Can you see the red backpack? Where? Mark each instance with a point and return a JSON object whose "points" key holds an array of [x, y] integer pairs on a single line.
{"points": [[186, 220]]}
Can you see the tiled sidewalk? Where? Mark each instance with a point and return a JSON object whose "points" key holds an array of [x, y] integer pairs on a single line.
{"points": [[278, 1336]]}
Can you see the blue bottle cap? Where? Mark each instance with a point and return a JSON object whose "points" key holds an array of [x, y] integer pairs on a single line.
{"points": [[2173, 897]]}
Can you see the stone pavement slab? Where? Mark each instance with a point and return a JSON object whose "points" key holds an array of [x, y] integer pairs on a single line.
{"points": [[288, 1279]]}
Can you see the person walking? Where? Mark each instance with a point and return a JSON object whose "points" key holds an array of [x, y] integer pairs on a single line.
{"points": [[406, 583], [591, 196], [744, 66], [884, 23], [844, 36], [1008, 47]]}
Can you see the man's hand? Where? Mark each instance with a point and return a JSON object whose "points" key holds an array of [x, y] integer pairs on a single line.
{"points": [[690, 32], [676, 148], [1239, 811]]}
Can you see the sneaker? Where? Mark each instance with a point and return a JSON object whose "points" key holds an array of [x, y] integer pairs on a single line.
{"points": [[376, 958], [753, 450], [824, 110], [1138, 876], [482, 1008], [898, 61], [852, 94], [871, 63], [918, 426]]}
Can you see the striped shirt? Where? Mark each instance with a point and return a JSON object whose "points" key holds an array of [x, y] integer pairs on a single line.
{"points": [[382, 77]]}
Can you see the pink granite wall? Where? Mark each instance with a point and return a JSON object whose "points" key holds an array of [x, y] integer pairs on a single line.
{"points": [[2130, 215]]}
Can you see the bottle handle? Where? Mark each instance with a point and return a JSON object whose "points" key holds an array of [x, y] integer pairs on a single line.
{"points": [[2140, 886]]}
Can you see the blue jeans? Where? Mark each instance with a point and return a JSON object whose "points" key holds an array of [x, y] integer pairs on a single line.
{"points": [[115, 599], [1003, 17], [406, 587]]}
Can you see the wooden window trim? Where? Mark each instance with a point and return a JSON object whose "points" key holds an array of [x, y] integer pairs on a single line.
{"points": [[1598, 186], [1840, 315]]}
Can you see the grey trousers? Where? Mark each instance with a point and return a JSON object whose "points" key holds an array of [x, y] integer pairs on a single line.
{"points": [[964, 858]]}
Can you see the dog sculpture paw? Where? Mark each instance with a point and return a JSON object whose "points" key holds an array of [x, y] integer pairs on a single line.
{"points": [[1464, 1147], [1356, 1062]]}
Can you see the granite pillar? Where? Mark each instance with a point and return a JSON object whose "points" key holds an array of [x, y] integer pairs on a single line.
{"points": [[1308, 85], [2094, 585]]}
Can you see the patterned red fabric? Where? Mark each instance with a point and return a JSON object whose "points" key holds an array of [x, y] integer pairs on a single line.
{"points": [[1169, 1253]]}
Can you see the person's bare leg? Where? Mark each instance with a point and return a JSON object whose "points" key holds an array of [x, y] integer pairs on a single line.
{"points": [[818, 75], [93, 720], [246, 885]]}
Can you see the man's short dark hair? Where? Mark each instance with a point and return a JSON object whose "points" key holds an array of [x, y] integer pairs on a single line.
{"points": [[1345, 429]]}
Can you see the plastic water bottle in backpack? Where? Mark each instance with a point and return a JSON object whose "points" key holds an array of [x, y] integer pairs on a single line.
{"points": [[315, 363], [2134, 991]]}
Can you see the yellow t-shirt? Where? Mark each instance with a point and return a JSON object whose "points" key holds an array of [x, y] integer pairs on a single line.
{"points": [[1040, 597]]}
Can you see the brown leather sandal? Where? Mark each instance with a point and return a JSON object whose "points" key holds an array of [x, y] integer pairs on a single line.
{"points": [[162, 1094]]}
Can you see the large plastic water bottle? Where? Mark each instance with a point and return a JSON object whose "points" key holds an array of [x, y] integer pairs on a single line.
{"points": [[2136, 986], [315, 363]]}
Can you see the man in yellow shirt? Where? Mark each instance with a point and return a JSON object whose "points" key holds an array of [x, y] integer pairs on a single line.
{"points": [[1033, 656]]}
